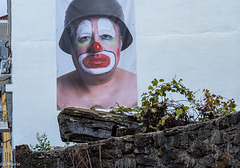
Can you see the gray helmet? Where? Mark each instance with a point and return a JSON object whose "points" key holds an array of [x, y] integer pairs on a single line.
{"points": [[79, 9]]}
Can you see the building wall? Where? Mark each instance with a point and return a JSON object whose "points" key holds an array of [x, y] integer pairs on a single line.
{"points": [[34, 71], [194, 40], [6, 136], [3, 8]]}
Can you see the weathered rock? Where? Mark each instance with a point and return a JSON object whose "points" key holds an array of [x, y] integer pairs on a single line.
{"points": [[42, 159], [125, 163], [83, 125], [171, 148]]}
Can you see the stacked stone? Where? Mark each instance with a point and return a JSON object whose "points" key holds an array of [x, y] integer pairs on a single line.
{"points": [[203, 145]]}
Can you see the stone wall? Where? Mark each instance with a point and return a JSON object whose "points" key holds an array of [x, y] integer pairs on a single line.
{"points": [[203, 145]]}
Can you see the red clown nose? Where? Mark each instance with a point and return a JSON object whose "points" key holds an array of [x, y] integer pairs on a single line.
{"points": [[97, 47]]}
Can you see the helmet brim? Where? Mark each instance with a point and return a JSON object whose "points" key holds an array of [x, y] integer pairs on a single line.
{"points": [[66, 40]]}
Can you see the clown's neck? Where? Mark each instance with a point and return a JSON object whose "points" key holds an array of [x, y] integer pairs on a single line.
{"points": [[101, 82]]}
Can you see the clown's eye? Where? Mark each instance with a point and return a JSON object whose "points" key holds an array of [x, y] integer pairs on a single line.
{"points": [[106, 37], [84, 39]]}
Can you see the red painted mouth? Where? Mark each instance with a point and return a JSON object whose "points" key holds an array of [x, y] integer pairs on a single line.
{"points": [[96, 61]]}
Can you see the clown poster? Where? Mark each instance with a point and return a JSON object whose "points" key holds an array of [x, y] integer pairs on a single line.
{"points": [[96, 60]]}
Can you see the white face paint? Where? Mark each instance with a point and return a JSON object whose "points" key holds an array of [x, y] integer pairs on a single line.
{"points": [[84, 29], [107, 34], [97, 71], [105, 27]]}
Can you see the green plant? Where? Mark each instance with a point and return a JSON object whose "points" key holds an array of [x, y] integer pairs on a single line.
{"points": [[121, 109], [159, 110], [67, 144], [172, 104], [43, 143], [215, 106]]}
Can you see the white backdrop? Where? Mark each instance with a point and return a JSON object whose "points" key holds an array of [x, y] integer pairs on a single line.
{"points": [[197, 40], [128, 56]]}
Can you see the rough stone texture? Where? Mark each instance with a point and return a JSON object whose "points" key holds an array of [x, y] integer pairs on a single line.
{"points": [[213, 144], [84, 125]]}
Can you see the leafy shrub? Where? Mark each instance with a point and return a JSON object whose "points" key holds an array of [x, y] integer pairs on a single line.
{"points": [[159, 110], [214, 106]]}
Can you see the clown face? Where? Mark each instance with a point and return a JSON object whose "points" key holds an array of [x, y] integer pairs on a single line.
{"points": [[98, 45]]}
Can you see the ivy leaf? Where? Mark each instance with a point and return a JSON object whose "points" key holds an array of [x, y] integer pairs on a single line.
{"points": [[164, 119], [144, 129], [159, 124], [157, 91], [161, 80], [155, 82], [179, 112], [150, 88], [153, 110]]}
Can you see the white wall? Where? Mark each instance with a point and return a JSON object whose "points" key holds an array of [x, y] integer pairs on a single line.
{"points": [[34, 71], [3, 7], [197, 40]]}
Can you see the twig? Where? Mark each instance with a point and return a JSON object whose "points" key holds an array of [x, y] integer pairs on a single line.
{"points": [[89, 159], [111, 156], [100, 156], [81, 158], [71, 157]]}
